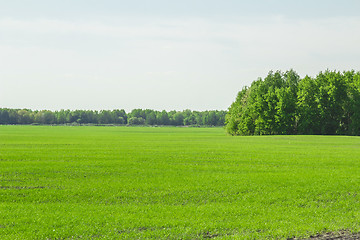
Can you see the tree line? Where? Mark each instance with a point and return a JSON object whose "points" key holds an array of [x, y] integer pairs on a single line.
{"points": [[120, 117], [283, 103]]}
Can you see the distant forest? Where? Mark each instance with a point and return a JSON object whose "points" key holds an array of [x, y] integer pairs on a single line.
{"points": [[120, 117], [282, 103]]}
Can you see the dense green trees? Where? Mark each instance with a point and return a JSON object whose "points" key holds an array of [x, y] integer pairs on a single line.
{"points": [[283, 103], [135, 117]]}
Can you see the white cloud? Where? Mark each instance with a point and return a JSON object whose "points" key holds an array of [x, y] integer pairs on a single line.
{"points": [[141, 59]]}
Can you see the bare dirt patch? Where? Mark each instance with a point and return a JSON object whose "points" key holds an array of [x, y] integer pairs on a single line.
{"points": [[346, 235]]}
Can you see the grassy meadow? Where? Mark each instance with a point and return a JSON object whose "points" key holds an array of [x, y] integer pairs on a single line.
{"points": [[62, 182]]}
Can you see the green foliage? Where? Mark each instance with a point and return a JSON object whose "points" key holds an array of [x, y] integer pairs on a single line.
{"points": [[135, 117], [60, 182], [283, 103], [136, 121]]}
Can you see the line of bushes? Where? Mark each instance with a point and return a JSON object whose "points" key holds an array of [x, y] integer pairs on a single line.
{"points": [[135, 117]]}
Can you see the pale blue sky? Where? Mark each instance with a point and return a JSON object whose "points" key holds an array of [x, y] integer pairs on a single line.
{"points": [[164, 54]]}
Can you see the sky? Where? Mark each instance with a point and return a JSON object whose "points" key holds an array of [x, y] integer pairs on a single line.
{"points": [[164, 54]]}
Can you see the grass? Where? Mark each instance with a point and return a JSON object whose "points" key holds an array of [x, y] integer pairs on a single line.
{"points": [[59, 182]]}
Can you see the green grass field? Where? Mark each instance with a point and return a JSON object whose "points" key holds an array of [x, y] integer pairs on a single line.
{"points": [[62, 182]]}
